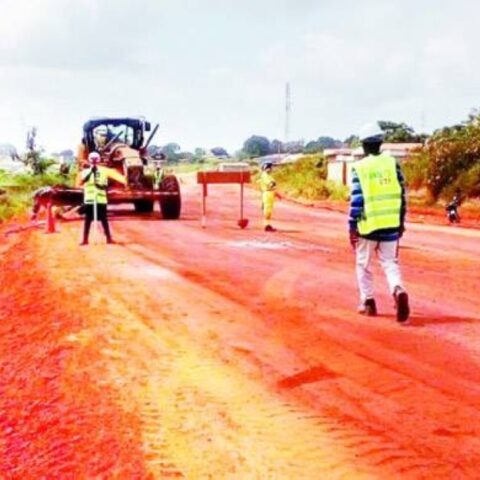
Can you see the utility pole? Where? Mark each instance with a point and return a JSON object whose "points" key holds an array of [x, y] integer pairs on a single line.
{"points": [[288, 110]]}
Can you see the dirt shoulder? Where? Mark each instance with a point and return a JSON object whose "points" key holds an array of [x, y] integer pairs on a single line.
{"points": [[470, 215]]}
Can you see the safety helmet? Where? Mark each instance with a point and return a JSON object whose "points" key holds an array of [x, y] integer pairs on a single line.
{"points": [[371, 133], [93, 158], [266, 165]]}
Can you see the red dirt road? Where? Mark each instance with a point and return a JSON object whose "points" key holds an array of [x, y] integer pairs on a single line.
{"points": [[222, 353]]}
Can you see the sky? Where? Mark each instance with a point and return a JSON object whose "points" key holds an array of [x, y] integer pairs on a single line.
{"points": [[213, 72]]}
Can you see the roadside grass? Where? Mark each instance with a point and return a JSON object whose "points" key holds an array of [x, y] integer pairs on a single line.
{"points": [[193, 167], [18, 191], [306, 179]]}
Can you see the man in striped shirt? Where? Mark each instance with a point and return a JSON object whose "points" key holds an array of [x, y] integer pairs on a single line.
{"points": [[376, 221]]}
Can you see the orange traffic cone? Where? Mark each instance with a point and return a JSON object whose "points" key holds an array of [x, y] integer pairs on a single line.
{"points": [[50, 219]]}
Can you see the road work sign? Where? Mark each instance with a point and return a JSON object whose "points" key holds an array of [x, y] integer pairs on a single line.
{"points": [[205, 178]]}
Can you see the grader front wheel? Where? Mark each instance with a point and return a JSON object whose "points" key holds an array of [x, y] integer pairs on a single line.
{"points": [[170, 205]]}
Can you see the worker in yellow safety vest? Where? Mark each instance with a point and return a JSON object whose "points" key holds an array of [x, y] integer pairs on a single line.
{"points": [[268, 187], [376, 221], [95, 182], [158, 174]]}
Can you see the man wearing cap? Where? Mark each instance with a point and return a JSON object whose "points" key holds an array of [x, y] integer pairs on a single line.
{"points": [[376, 222]]}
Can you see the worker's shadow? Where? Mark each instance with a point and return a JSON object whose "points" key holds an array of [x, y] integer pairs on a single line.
{"points": [[417, 320], [312, 375], [424, 320], [125, 215]]}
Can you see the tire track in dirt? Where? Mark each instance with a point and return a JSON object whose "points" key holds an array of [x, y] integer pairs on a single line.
{"points": [[435, 454], [277, 438]]}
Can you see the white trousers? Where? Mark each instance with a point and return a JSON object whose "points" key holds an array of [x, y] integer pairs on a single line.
{"points": [[387, 253]]}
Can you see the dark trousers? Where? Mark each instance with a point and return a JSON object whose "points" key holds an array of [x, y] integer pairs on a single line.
{"points": [[101, 215]]}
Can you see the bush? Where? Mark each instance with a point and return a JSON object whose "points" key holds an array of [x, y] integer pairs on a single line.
{"points": [[416, 170], [306, 179], [19, 189], [452, 152], [468, 183]]}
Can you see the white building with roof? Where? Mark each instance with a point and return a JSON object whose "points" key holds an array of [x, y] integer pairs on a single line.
{"points": [[340, 160]]}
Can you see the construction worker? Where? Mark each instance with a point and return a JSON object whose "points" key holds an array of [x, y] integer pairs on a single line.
{"points": [[95, 180], [100, 137], [158, 174], [376, 223], [268, 186]]}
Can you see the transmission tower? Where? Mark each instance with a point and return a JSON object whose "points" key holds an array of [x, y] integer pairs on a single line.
{"points": [[288, 110]]}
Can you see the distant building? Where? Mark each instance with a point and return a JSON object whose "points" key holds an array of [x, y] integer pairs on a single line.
{"points": [[340, 160], [233, 167], [280, 158]]}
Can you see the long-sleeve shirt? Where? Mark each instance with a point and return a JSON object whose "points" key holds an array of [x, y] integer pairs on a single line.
{"points": [[357, 207]]}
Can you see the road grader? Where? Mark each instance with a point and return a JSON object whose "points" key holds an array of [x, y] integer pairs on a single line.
{"points": [[122, 146]]}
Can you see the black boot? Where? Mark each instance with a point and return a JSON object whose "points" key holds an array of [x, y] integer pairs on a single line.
{"points": [[401, 302], [368, 308]]}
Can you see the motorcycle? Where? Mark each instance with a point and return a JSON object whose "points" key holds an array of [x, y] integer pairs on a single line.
{"points": [[452, 212]]}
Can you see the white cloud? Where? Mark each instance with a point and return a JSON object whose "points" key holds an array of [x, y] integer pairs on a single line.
{"points": [[214, 72]]}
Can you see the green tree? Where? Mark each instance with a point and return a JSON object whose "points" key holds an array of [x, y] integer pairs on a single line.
{"points": [[199, 155], [256, 146], [319, 145], [171, 151], [329, 142], [353, 141], [400, 133], [276, 146], [452, 153], [313, 147], [219, 152]]}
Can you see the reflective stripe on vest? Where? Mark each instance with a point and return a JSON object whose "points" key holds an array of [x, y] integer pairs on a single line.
{"points": [[90, 191], [382, 193], [158, 178]]}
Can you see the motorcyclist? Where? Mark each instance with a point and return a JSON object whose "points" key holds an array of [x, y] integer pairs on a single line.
{"points": [[452, 208]]}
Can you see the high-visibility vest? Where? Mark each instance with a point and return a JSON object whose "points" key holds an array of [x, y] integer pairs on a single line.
{"points": [[382, 193], [158, 177], [91, 192], [267, 183]]}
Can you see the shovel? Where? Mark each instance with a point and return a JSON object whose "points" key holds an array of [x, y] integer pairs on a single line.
{"points": [[243, 222]]}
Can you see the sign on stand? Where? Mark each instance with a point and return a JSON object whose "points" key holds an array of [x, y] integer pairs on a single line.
{"points": [[206, 178]]}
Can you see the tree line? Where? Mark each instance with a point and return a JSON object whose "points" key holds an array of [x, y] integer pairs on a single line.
{"points": [[259, 146]]}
